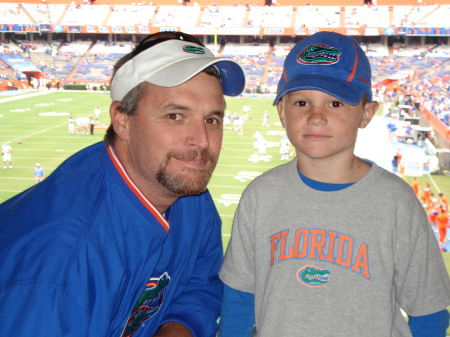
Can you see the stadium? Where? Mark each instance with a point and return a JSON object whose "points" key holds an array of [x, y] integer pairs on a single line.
{"points": [[56, 59]]}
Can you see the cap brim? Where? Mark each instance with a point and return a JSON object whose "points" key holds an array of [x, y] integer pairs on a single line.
{"points": [[232, 74], [172, 63], [345, 91]]}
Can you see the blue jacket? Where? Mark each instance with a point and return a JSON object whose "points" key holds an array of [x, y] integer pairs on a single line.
{"points": [[85, 254]]}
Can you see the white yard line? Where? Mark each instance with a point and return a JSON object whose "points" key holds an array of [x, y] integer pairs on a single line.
{"points": [[32, 94]]}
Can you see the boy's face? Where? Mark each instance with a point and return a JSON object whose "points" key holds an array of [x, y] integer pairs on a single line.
{"points": [[321, 126]]}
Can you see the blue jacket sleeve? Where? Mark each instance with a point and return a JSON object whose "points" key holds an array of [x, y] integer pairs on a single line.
{"points": [[237, 316], [429, 325]]}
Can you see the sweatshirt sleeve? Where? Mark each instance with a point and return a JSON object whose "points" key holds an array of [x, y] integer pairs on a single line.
{"points": [[237, 316], [429, 325]]}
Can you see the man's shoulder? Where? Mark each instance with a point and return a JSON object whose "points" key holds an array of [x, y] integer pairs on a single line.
{"points": [[79, 168]]}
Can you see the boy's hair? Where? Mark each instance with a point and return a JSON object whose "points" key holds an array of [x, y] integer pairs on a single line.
{"points": [[329, 62], [365, 99]]}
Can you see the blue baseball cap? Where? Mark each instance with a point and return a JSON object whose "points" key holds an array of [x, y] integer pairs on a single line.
{"points": [[329, 62]]}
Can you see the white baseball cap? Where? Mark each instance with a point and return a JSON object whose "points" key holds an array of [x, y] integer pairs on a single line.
{"points": [[173, 62], [37, 164]]}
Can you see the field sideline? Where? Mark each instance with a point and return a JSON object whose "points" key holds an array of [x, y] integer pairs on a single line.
{"points": [[36, 128]]}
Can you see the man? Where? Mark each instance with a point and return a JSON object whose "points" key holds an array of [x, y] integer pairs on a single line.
{"points": [[71, 126], [6, 152], [443, 201], [128, 241], [266, 119], [39, 173], [97, 113], [91, 126], [285, 148], [79, 122], [85, 124], [256, 139]]}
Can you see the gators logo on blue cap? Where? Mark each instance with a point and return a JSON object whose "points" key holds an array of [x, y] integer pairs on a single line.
{"points": [[193, 49], [319, 54]]}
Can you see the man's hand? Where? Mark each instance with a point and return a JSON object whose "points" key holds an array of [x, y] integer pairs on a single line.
{"points": [[173, 329]]}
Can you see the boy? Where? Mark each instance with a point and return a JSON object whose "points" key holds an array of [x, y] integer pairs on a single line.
{"points": [[330, 244]]}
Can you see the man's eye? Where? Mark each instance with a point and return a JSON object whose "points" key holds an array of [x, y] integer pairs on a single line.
{"points": [[174, 117], [211, 121], [301, 103]]}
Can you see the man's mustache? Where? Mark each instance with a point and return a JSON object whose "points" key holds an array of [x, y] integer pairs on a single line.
{"points": [[193, 155]]}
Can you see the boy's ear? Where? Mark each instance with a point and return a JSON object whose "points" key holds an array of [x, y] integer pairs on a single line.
{"points": [[369, 111], [280, 112], [119, 120]]}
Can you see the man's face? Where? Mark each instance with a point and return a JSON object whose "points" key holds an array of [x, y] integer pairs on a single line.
{"points": [[175, 138]]}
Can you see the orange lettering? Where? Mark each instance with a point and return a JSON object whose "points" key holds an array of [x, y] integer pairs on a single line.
{"points": [[317, 245], [361, 262], [332, 236], [283, 254], [299, 234], [342, 252], [274, 239]]}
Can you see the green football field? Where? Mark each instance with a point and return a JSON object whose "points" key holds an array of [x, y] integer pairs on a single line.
{"points": [[36, 127]]}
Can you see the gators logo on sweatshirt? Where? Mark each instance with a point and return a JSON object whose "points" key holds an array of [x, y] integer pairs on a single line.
{"points": [[313, 276], [148, 304]]}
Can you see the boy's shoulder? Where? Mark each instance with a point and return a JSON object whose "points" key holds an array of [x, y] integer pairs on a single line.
{"points": [[276, 175], [377, 178]]}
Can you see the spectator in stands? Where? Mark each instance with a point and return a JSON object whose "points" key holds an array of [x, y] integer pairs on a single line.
{"points": [[123, 238]]}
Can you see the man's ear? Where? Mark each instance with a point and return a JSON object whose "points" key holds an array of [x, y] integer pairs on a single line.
{"points": [[119, 120], [280, 112], [369, 111]]}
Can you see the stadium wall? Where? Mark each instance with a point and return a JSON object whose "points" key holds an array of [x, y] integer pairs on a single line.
{"points": [[256, 2]]}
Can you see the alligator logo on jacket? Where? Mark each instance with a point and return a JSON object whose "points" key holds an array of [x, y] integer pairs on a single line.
{"points": [[319, 54], [148, 304], [313, 276]]}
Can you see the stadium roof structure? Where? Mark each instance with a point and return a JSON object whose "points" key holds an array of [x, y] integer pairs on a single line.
{"points": [[254, 2], [215, 19]]}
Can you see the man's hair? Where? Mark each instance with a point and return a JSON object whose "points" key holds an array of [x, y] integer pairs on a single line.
{"points": [[130, 101]]}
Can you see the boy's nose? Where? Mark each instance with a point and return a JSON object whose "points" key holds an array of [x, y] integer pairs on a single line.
{"points": [[316, 117]]}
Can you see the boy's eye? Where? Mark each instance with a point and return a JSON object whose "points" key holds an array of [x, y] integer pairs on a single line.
{"points": [[336, 104], [301, 103]]}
